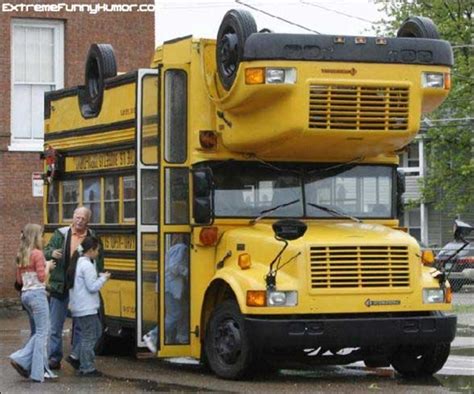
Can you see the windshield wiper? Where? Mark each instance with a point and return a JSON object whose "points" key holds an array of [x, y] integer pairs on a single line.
{"points": [[334, 212], [265, 212]]}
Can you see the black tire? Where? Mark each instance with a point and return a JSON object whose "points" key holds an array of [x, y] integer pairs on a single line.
{"points": [[227, 344], [235, 28], [100, 65], [418, 27], [418, 361]]}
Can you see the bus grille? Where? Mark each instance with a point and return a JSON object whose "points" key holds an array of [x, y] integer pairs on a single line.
{"points": [[359, 267], [347, 107]]}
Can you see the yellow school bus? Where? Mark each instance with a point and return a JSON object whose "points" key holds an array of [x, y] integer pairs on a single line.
{"points": [[246, 193]]}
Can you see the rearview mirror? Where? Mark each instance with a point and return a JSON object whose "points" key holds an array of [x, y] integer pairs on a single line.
{"points": [[400, 190], [289, 229], [461, 230], [203, 193]]}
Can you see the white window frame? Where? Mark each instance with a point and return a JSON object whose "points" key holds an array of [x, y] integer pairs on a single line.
{"points": [[36, 145], [423, 223], [420, 170]]}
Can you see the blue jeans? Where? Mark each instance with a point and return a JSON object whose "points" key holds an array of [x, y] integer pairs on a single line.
{"points": [[58, 312], [33, 356], [91, 330], [176, 321]]}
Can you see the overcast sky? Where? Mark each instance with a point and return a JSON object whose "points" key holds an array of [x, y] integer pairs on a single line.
{"points": [[201, 18]]}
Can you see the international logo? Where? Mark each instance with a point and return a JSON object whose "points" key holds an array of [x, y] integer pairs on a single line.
{"points": [[351, 71], [368, 302]]}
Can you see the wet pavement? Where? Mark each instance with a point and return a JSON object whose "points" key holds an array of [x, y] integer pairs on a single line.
{"points": [[147, 374]]}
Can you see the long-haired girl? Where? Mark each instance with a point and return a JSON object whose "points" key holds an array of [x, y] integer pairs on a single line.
{"points": [[32, 270], [84, 301]]}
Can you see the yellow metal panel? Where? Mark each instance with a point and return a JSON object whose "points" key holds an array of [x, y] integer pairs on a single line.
{"points": [[118, 105]]}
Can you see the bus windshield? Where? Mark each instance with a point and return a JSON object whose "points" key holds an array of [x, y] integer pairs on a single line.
{"points": [[249, 189]]}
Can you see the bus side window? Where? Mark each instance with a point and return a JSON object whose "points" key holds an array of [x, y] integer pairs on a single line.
{"points": [[177, 191], [175, 116], [53, 202], [111, 199], [129, 205], [91, 197], [70, 198], [150, 207]]}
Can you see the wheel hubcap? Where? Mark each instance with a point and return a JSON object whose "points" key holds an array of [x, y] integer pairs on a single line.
{"points": [[228, 53], [228, 341]]}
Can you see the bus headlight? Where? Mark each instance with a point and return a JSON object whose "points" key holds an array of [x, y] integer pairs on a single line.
{"points": [[433, 296], [280, 75], [282, 298], [435, 80]]}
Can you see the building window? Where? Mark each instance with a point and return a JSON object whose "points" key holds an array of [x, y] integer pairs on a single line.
{"points": [[412, 221], [411, 160], [37, 60]]}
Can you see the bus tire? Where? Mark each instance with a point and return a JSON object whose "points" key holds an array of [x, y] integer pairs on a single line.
{"points": [[100, 65], [418, 27], [227, 344], [235, 28], [418, 361], [102, 345]]}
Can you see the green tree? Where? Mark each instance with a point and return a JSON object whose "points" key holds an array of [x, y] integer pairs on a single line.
{"points": [[449, 181]]}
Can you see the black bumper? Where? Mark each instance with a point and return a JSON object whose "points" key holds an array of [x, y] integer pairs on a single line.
{"points": [[350, 332]]}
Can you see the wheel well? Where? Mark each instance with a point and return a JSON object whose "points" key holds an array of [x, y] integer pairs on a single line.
{"points": [[218, 292]]}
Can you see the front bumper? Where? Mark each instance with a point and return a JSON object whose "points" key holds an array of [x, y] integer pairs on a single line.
{"points": [[350, 332]]}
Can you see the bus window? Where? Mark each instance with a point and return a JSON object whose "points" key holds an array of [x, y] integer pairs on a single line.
{"points": [[150, 284], [70, 198], [91, 198], [53, 202], [129, 205], [150, 197], [149, 135], [176, 203], [177, 289], [111, 199], [175, 116]]}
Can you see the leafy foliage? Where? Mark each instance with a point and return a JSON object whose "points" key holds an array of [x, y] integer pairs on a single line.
{"points": [[449, 182]]}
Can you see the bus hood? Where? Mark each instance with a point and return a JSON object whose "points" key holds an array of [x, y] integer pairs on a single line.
{"points": [[324, 233]]}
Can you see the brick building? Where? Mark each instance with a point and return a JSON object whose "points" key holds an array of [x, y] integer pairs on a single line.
{"points": [[42, 50]]}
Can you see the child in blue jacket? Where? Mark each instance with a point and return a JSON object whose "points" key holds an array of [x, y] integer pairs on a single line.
{"points": [[84, 301]]}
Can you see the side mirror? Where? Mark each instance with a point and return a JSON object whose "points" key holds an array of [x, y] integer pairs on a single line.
{"points": [[203, 193], [289, 229], [461, 230], [400, 191]]}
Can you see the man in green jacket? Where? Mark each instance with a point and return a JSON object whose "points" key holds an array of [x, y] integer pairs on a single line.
{"points": [[61, 247]]}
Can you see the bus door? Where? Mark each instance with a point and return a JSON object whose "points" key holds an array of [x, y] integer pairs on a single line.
{"points": [[148, 203], [175, 307]]}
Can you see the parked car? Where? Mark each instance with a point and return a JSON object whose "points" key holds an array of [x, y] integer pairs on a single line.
{"points": [[457, 257]]}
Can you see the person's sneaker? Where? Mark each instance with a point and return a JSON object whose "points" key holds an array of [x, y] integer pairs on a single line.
{"points": [[50, 375], [22, 371], [91, 374], [75, 363], [149, 343], [54, 365]]}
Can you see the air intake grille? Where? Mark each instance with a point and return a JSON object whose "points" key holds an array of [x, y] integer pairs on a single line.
{"points": [[359, 267], [346, 107]]}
